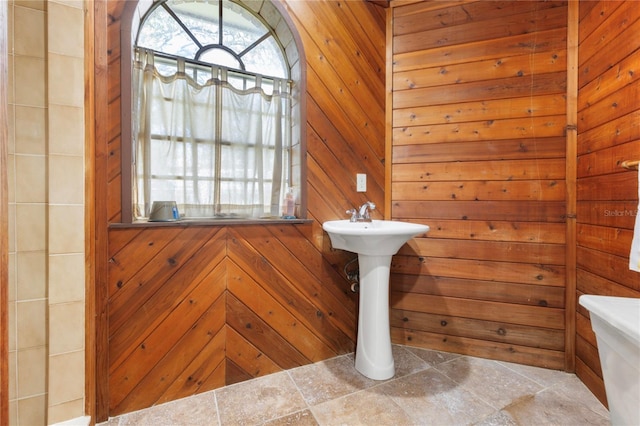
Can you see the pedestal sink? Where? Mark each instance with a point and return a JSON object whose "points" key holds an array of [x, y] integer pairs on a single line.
{"points": [[375, 243]]}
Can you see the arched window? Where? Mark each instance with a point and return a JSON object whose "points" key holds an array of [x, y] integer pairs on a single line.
{"points": [[213, 112]]}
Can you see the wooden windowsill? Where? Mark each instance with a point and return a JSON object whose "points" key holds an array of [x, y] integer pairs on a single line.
{"points": [[211, 222]]}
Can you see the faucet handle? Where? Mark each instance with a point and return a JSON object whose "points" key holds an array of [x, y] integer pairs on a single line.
{"points": [[354, 214]]}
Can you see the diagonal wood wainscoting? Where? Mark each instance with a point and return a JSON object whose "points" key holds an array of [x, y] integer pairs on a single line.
{"points": [[194, 308]]}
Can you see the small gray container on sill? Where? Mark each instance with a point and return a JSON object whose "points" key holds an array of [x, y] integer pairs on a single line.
{"points": [[164, 211]]}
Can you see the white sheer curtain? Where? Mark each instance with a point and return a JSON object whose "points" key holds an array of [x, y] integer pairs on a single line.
{"points": [[214, 141]]}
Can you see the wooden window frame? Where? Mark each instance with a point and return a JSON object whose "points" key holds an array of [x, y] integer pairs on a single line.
{"points": [[130, 27]]}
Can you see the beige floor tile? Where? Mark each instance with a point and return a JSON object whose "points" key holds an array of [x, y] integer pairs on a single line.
{"points": [[198, 410], [552, 408], [491, 381], [301, 418], [432, 357], [408, 362], [337, 377], [329, 379], [499, 418], [365, 408], [580, 395], [542, 376], [429, 397], [259, 400]]}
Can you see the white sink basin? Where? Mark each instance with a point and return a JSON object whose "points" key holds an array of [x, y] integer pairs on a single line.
{"points": [[375, 238], [375, 243]]}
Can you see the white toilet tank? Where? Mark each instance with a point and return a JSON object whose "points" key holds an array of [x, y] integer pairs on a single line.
{"points": [[616, 323]]}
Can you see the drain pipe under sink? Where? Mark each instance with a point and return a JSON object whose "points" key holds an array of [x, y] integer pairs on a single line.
{"points": [[353, 275]]}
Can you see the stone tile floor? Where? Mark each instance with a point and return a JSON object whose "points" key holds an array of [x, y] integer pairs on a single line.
{"points": [[429, 388]]}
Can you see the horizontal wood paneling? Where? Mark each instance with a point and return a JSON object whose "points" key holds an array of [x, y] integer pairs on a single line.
{"points": [[486, 190], [480, 22], [480, 348], [551, 40], [487, 111], [478, 91], [510, 149], [487, 250], [534, 274], [478, 145], [489, 68], [608, 134], [476, 289], [534, 316], [497, 230], [184, 309], [527, 211], [470, 327], [479, 171]]}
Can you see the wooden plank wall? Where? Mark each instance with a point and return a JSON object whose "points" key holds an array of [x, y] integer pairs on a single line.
{"points": [[608, 134], [183, 309], [478, 145]]}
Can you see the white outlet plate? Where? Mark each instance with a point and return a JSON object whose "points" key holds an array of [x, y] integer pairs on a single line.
{"points": [[361, 182]]}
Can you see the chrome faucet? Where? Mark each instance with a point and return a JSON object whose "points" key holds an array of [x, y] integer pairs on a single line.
{"points": [[362, 214]]}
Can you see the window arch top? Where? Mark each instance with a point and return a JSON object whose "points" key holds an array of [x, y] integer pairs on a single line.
{"points": [[219, 32]]}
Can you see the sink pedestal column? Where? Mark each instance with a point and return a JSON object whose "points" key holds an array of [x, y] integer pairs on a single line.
{"points": [[373, 351]]}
